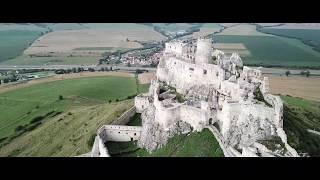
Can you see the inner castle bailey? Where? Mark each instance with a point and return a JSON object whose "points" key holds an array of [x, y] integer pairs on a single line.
{"points": [[197, 87]]}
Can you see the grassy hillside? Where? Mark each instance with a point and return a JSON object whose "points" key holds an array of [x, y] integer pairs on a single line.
{"points": [[70, 133], [22, 106], [300, 115], [14, 42], [272, 50], [196, 144]]}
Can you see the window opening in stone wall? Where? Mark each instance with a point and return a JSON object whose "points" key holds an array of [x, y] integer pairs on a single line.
{"points": [[204, 71], [131, 139], [135, 134]]}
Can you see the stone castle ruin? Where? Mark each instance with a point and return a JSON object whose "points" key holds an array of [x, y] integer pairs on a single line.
{"points": [[200, 87]]}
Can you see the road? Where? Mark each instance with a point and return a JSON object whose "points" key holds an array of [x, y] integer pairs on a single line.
{"points": [[314, 132], [53, 67]]}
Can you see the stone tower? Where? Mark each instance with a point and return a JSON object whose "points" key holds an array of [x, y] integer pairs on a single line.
{"points": [[204, 51]]}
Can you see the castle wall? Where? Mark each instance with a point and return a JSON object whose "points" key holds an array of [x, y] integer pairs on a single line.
{"points": [[231, 89], [141, 103], [183, 75], [196, 117], [246, 123], [125, 117], [120, 133]]}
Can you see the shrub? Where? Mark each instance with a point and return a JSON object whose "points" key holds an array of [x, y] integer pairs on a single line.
{"points": [[117, 100], [60, 97], [36, 119], [91, 140], [19, 128]]}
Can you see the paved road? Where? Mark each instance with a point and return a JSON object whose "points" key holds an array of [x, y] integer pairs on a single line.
{"points": [[11, 67]]}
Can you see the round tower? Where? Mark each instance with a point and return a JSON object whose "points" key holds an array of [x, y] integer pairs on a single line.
{"points": [[204, 51]]}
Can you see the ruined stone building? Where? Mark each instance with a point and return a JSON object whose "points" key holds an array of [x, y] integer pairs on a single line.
{"points": [[199, 87]]}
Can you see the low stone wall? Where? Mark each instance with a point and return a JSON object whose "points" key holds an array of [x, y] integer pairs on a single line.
{"points": [[119, 133], [125, 117]]}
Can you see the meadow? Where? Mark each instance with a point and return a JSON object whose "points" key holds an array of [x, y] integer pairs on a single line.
{"points": [[299, 116], [195, 144], [273, 50], [21, 106], [14, 42]]}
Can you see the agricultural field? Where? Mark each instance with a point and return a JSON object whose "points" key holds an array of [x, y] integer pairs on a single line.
{"points": [[101, 39], [230, 48], [23, 109], [205, 29], [72, 43], [242, 30], [303, 87], [308, 36], [195, 144], [173, 27], [301, 115], [273, 50], [14, 42], [61, 60]]}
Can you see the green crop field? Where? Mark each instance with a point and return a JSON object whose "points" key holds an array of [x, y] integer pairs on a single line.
{"points": [[20, 106], [299, 116], [14, 42], [273, 50], [308, 36], [27, 60]]}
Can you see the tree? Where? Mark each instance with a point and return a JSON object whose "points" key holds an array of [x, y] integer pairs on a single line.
{"points": [[110, 101], [129, 65], [74, 70], [60, 97], [117, 100], [288, 73], [102, 69]]}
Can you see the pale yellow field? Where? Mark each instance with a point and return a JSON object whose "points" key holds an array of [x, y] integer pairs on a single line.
{"points": [[243, 30], [229, 48], [64, 42], [239, 46], [308, 88]]}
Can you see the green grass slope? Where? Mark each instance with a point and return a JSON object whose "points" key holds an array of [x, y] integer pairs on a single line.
{"points": [[20, 107], [300, 115], [195, 144]]}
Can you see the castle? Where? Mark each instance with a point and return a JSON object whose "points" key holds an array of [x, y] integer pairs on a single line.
{"points": [[200, 87]]}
